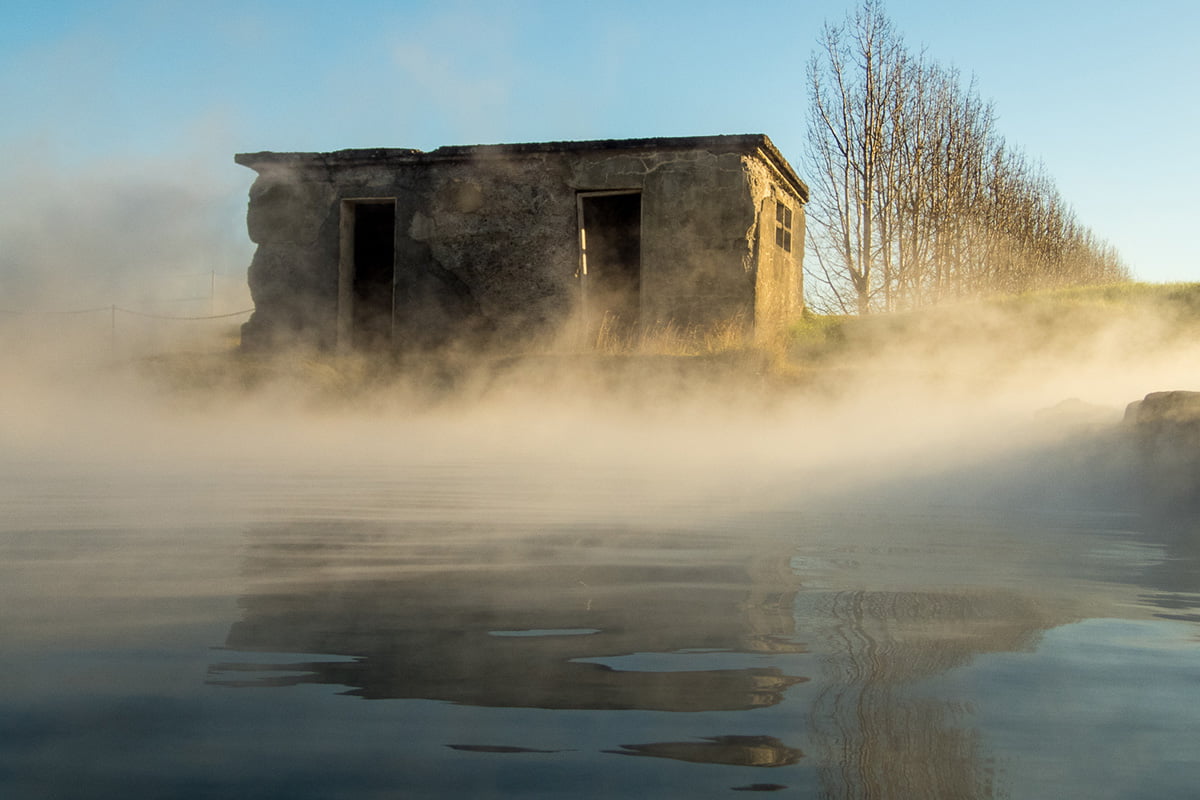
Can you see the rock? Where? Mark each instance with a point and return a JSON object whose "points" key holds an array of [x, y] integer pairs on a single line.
{"points": [[1165, 407], [1166, 428]]}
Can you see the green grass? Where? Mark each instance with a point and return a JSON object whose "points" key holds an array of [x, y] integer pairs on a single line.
{"points": [[1143, 313]]}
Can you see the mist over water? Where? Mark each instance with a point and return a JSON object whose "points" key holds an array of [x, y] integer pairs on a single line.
{"points": [[927, 570]]}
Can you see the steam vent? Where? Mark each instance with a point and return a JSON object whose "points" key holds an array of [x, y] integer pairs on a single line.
{"points": [[396, 249]]}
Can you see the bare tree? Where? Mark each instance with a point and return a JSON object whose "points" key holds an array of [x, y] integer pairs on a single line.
{"points": [[854, 85], [916, 199]]}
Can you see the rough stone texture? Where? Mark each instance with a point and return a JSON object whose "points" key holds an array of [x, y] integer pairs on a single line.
{"points": [[1166, 426], [487, 239]]}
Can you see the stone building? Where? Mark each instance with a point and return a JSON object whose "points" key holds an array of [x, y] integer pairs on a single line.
{"points": [[403, 249]]}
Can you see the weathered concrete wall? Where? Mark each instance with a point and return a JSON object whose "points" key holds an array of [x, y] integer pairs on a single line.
{"points": [[701, 242], [293, 220], [486, 240], [478, 245], [779, 282], [507, 229]]}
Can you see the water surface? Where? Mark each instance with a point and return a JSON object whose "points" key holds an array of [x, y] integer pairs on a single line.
{"points": [[490, 619]]}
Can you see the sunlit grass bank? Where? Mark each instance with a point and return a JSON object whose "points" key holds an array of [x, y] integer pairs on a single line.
{"points": [[1137, 314]]}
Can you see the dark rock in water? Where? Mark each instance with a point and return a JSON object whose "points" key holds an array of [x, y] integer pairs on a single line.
{"points": [[741, 751], [497, 748], [1166, 428]]}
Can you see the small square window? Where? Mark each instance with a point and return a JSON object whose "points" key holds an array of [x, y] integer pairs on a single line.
{"points": [[783, 227]]}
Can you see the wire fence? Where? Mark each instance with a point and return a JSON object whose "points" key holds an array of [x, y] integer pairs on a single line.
{"points": [[122, 330]]}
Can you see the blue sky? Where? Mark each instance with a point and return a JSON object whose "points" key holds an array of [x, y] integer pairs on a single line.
{"points": [[121, 118]]}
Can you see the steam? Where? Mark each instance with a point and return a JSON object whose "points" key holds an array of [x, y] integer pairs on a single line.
{"points": [[901, 398], [125, 234], [908, 411], [117, 261]]}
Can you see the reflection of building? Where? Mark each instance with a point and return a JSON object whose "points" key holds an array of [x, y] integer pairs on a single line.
{"points": [[402, 249], [490, 616], [491, 621]]}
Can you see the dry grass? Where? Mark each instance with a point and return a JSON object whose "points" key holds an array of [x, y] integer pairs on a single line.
{"points": [[817, 350], [671, 339]]}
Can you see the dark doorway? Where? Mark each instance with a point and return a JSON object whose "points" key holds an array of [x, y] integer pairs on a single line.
{"points": [[374, 271], [610, 236]]}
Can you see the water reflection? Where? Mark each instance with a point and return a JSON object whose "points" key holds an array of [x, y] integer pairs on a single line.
{"points": [[602, 619], [1174, 578], [924, 648], [877, 736], [742, 751], [438, 612]]}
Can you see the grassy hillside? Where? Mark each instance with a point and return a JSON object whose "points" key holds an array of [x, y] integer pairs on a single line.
{"points": [[1131, 314]]}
